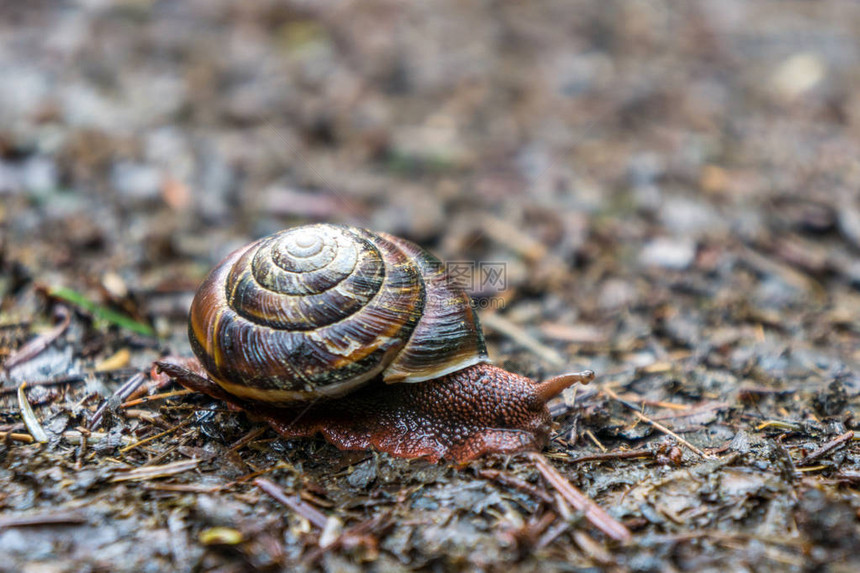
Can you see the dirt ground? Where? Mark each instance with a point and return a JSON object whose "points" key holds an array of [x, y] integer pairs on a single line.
{"points": [[671, 187]]}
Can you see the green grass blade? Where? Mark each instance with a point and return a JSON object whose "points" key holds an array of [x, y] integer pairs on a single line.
{"points": [[101, 312]]}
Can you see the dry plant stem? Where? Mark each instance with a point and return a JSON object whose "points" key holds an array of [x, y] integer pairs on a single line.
{"points": [[592, 548], [694, 411], [827, 448], [117, 397], [77, 436], [785, 541], [539, 527], [552, 533], [58, 518], [516, 333], [155, 397], [30, 419], [178, 426], [594, 439], [580, 502], [360, 534], [73, 379], [252, 475], [609, 456], [516, 483], [154, 472], [33, 348], [317, 518], [656, 403], [669, 432], [659, 426], [791, 427], [248, 438], [183, 487], [513, 237], [15, 437]]}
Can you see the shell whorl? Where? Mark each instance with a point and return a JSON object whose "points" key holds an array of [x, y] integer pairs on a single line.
{"points": [[317, 310]]}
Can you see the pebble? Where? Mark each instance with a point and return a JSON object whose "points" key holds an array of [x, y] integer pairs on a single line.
{"points": [[690, 217], [136, 180], [797, 75], [9, 179], [22, 92], [34, 175], [774, 293], [616, 293], [39, 174], [668, 253]]}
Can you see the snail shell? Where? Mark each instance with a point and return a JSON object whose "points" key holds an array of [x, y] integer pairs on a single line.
{"points": [[318, 310]]}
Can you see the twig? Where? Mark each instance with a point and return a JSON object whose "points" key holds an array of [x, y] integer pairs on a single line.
{"points": [[657, 425], [833, 444], [580, 502], [516, 483], [359, 534], [610, 456], [528, 534], [248, 438], [314, 516], [155, 397], [34, 347], [30, 419], [153, 472], [82, 452], [694, 411], [183, 487], [592, 548], [252, 475], [116, 398], [791, 426], [669, 432], [849, 476], [77, 436], [657, 403], [594, 439], [178, 426], [809, 469], [768, 265], [25, 438], [552, 533], [516, 333], [57, 518], [514, 238], [71, 379], [785, 541]]}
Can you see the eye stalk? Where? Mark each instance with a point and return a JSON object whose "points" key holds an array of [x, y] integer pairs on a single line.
{"points": [[549, 389]]}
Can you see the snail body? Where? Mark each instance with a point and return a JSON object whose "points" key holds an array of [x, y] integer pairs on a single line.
{"points": [[362, 337]]}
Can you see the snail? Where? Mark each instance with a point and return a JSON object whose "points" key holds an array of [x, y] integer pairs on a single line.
{"points": [[361, 337]]}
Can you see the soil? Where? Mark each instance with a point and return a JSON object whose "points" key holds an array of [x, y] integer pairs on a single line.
{"points": [[670, 190]]}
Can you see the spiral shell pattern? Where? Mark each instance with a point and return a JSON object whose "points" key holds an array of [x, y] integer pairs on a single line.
{"points": [[317, 310]]}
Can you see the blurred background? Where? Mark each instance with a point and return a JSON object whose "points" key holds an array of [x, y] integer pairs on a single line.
{"points": [[672, 186], [615, 155]]}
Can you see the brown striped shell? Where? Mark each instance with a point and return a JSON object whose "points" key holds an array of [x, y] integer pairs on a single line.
{"points": [[318, 310]]}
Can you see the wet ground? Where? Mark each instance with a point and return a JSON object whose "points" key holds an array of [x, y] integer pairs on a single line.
{"points": [[672, 190]]}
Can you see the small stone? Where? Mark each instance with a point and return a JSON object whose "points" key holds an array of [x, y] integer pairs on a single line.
{"points": [[668, 253], [689, 217], [39, 174], [136, 180], [616, 293], [797, 75]]}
